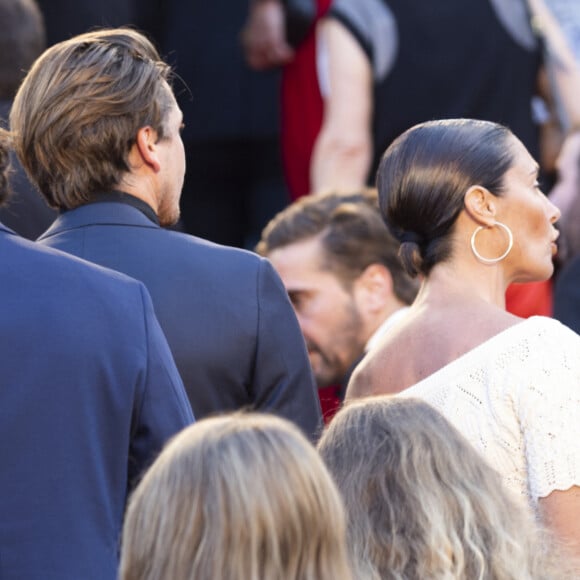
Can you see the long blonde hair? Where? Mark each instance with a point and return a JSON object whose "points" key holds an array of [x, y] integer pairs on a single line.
{"points": [[236, 497], [420, 501], [4, 164]]}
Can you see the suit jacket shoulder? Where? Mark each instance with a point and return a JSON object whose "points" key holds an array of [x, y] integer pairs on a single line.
{"points": [[225, 313], [90, 393]]}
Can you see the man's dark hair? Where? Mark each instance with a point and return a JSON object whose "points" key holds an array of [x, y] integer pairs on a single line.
{"points": [[352, 233]]}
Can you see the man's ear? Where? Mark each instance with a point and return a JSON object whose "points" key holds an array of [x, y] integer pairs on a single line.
{"points": [[481, 205], [374, 287], [146, 143]]}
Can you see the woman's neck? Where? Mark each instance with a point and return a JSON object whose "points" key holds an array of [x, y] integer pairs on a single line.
{"points": [[452, 283]]}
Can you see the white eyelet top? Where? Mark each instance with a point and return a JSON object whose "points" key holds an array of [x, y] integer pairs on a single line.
{"points": [[516, 398]]}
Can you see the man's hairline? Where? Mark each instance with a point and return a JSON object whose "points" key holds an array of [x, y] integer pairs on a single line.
{"points": [[326, 260]]}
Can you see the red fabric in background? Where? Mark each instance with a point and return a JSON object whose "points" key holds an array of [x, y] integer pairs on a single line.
{"points": [[330, 402], [301, 112], [530, 299]]}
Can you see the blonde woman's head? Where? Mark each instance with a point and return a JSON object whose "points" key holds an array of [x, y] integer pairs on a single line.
{"points": [[421, 502], [236, 497]]}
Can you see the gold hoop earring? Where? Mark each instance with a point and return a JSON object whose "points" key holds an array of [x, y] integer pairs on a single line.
{"points": [[492, 260]]}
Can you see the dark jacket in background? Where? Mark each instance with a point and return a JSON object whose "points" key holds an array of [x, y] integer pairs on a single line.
{"points": [[25, 211], [234, 182], [66, 18]]}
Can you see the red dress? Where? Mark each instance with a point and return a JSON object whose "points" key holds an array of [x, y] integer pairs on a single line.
{"points": [[301, 111]]}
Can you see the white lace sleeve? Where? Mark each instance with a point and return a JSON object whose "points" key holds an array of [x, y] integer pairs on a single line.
{"points": [[548, 408]]}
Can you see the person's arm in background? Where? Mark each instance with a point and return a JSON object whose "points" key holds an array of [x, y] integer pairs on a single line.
{"points": [[264, 35], [561, 513], [562, 69], [565, 194], [343, 150], [563, 84]]}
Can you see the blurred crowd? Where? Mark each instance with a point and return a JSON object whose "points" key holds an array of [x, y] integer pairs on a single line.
{"points": [[290, 289]]}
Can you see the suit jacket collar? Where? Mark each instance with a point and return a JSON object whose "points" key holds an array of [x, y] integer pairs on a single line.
{"points": [[101, 213], [126, 198], [6, 230]]}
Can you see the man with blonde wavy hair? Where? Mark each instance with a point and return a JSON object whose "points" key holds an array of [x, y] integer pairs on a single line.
{"points": [[97, 128]]}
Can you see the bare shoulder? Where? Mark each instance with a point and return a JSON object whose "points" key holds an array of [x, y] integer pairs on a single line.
{"points": [[385, 369], [361, 383], [423, 344]]}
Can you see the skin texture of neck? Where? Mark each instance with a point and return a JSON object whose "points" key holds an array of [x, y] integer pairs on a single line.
{"points": [[454, 281]]}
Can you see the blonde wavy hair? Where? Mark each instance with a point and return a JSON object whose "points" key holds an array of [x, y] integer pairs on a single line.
{"points": [[4, 164], [421, 502], [238, 497]]}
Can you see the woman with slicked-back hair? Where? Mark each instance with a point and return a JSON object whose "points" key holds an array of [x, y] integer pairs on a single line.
{"points": [[422, 503], [463, 199], [239, 497]]}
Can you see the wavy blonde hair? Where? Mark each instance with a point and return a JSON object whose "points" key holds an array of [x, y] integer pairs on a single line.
{"points": [[236, 497], [421, 502], [4, 164]]}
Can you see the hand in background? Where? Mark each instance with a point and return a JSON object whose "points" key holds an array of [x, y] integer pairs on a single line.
{"points": [[264, 36]]}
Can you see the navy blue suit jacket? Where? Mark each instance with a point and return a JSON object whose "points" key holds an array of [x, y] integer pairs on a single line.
{"points": [[225, 313], [89, 395]]}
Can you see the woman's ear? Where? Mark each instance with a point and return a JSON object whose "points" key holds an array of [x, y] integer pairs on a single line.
{"points": [[480, 205], [146, 143]]}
